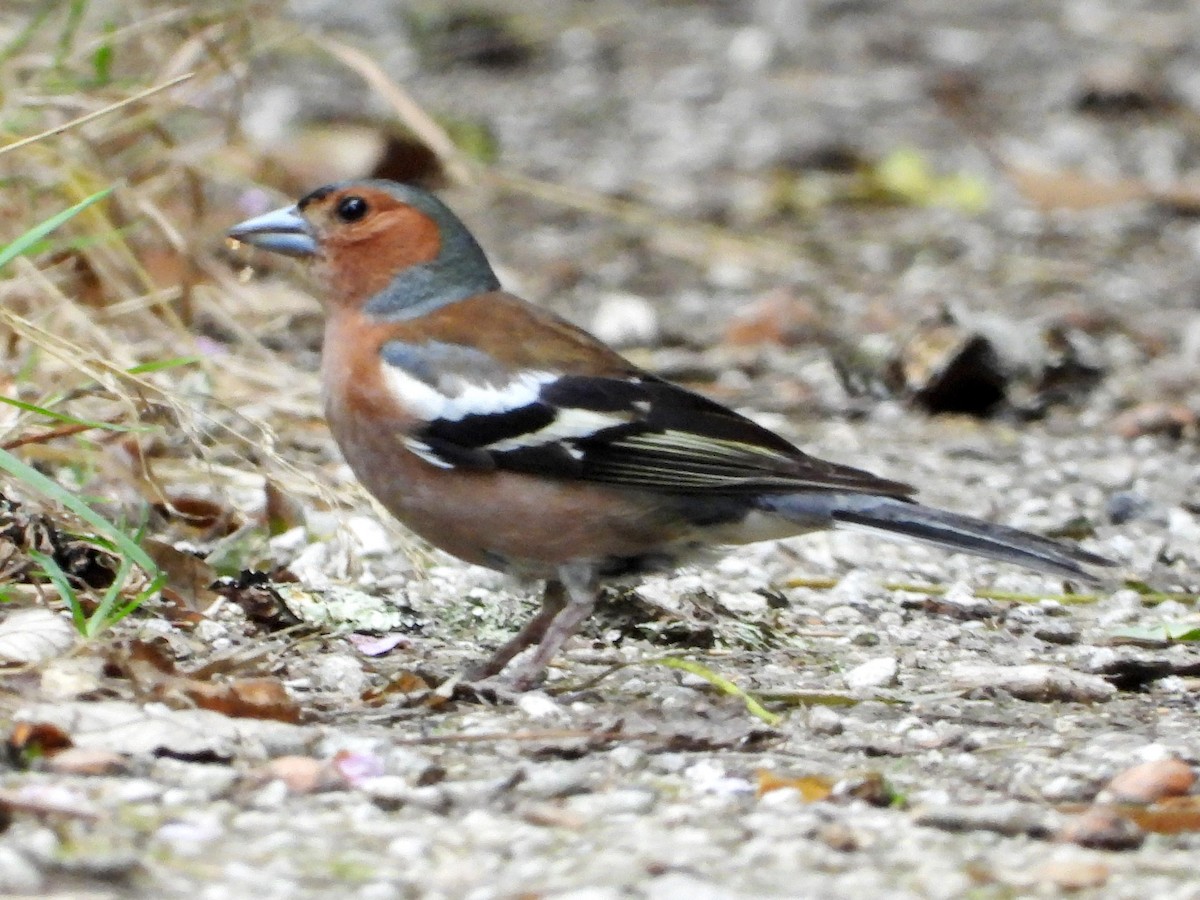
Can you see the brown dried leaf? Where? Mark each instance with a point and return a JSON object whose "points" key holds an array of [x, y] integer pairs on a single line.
{"points": [[1121, 87], [154, 729], [245, 698], [1182, 199], [34, 740], [201, 513], [811, 787], [143, 662], [406, 683], [45, 800], [870, 787], [283, 512], [154, 674], [188, 579], [1174, 815], [1171, 419], [255, 593], [1074, 190], [945, 367]]}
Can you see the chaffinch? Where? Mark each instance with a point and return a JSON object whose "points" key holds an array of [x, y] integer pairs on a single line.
{"points": [[514, 440]]}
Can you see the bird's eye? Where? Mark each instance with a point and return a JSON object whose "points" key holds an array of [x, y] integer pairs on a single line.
{"points": [[351, 209]]}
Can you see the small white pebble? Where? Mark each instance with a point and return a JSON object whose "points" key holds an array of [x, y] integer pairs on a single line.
{"points": [[744, 602], [291, 541], [877, 672], [751, 49], [823, 720], [625, 320], [370, 537], [539, 706], [708, 778], [342, 673]]}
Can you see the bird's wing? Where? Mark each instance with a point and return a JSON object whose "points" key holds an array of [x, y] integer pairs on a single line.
{"points": [[631, 430]]}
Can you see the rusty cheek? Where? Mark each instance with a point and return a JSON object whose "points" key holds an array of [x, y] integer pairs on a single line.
{"points": [[361, 260]]}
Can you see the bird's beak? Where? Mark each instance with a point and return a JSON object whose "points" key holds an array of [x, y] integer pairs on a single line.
{"points": [[281, 231]]}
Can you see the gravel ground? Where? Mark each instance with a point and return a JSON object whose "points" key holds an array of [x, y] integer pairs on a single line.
{"points": [[962, 737]]}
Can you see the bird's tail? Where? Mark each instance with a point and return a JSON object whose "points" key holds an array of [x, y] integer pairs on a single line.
{"points": [[944, 529]]}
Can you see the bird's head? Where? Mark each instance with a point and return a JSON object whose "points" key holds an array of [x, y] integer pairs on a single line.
{"points": [[392, 250]]}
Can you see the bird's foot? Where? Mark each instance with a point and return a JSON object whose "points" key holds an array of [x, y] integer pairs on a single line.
{"points": [[498, 689]]}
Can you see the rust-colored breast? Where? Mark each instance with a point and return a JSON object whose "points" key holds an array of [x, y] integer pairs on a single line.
{"points": [[351, 370]]}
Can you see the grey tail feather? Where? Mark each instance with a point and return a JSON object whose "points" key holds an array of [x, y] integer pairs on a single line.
{"points": [[947, 530]]}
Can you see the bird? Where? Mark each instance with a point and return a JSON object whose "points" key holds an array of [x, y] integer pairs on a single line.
{"points": [[512, 439]]}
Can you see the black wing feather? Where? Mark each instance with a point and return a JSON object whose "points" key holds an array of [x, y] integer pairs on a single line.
{"points": [[663, 438]]}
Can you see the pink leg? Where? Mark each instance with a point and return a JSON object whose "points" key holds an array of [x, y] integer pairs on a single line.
{"points": [[581, 589], [553, 603]]}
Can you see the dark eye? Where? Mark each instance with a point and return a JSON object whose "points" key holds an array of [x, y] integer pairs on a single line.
{"points": [[351, 209]]}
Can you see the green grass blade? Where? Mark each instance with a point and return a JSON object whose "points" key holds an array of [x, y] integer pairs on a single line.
{"points": [[722, 684], [160, 365], [35, 480], [63, 585], [69, 420], [102, 617], [39, 231], [122, 611]]}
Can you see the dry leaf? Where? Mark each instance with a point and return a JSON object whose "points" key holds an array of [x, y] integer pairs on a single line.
{"points": [[188, 580], [135, 730], [283, 512], [1155, 417], [155, 675], [34, 635], [404, 683], [1172, 816], [245, 698], [34, 740], [1102, 827], [811, 787], [779, 317], [1074, 190]]}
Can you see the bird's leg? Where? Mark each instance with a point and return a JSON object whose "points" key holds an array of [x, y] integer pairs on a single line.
{"points": [[580, 582], [553, 602]]}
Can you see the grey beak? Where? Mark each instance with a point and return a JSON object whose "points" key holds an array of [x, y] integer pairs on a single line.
{"points": [[281, 231]]}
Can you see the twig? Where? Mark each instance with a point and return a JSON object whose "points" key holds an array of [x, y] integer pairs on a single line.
{"points": [[83, 120], [549, 734], [423, 125], [44, 437]]}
